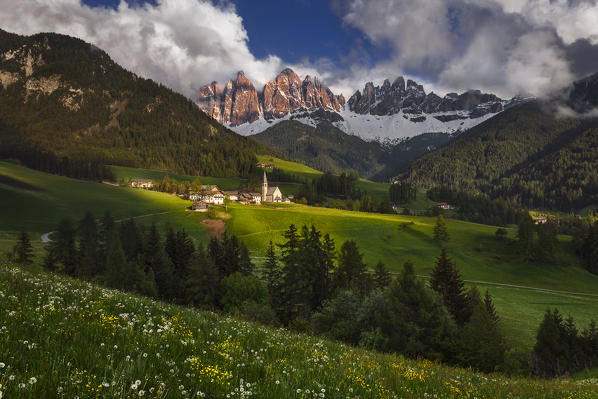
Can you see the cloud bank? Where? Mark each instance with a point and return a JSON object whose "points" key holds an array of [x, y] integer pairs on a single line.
{"points": [[505, 46]]}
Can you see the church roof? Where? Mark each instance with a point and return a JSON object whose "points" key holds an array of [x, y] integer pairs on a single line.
{"points": [[271, 190]]}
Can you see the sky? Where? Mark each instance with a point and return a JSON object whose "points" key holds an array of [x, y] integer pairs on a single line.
{"points": [[508, 47]]}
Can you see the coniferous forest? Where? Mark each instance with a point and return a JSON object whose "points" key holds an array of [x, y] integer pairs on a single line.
{"points": [[78, 105]]}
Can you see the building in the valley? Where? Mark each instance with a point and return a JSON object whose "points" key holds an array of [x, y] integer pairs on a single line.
{"points": [[142, 183], [444, 205], [199, 206], [270, 194], [212, 197], [232, 195], [541, 219]]}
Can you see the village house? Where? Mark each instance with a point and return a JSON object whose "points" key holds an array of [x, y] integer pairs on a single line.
{"points": [[199, 206], [444, 205], [270, 194], [262, 165], [142, 183], [212, 197], [541, 219], [232, 195]]}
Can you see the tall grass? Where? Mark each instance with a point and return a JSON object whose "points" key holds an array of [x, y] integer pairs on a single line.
{"points": [[65, 338]]}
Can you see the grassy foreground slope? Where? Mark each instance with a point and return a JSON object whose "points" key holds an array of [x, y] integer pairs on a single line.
{"points": [[66, 338]]}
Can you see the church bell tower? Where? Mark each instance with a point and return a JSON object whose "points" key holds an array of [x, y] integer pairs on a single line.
{"points": [[264, 187]]}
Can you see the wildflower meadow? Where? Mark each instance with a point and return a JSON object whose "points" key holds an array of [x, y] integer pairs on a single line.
{"points": [[66, 338]]}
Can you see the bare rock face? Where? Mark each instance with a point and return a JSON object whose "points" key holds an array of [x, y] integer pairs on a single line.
{"points": [[239, 102], [245, 106], [210, 96], [411, 98], [282, 95]]}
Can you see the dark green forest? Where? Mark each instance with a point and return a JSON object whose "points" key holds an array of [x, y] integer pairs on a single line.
{"points": [[527, 155], [76, 103]]}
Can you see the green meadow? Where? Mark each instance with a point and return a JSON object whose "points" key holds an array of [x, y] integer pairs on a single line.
{"points": [[392, 239], [480, 257], [66, 338], [50, 198]]}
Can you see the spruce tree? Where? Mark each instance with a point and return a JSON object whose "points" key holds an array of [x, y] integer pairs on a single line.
{"points": [[106, 229], [549, 353], [490, 307], [382, 276], [202, 281], [157, 261], [65, 252], [526, 238], [447, 281], [88, 246], [547, 241], [480, 344], [441, 234], [132, 239], [23, 251], [351, 272], [271, 272], [116, 271]]}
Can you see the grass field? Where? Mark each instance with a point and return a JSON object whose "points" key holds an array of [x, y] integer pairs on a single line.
{"points": [[393, 239], [39, 210], [477, 253], [65, 338]]}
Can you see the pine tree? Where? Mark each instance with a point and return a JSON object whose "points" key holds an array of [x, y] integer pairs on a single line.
{"points": [[446, 280], [88, 246], [107, 226], [382, 276], [132, 239], [526, 237], [547, 241], [202, 281], [157, 261], [271, 272], [116, 273], [490, 307], [65, 252], [351, 272], [549, 351], [480, 344], [441, 231], [23, 251]]}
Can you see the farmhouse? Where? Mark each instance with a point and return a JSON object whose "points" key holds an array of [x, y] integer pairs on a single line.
{"points": [[444, 205], [199, 206], [142, 183], [270, 194], [232, 195]]}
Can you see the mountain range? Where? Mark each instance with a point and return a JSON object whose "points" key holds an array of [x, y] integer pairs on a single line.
{"points": [[387, 112]]}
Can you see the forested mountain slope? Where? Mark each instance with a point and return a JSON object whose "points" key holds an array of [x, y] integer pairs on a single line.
{"points": [[327, 148], [531, 154], [62, 97]]}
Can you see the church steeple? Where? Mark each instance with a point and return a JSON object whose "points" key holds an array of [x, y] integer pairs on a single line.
{"points": [[264, 187]]}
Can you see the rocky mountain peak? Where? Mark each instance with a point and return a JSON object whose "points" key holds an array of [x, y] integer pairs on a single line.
{"points": [[410, 97], [239, 102]]}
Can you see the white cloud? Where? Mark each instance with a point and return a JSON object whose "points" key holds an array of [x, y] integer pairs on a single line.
{"points": [[181, 43]]}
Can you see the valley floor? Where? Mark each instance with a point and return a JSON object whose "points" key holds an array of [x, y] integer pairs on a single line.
{"points": [[392, 239]]}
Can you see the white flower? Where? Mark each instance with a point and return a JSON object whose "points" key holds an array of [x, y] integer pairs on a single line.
{"points": [[277, 382], [141, 392], [2, 365], [32, 380]]}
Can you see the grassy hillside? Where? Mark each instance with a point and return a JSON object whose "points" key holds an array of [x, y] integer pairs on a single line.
{"points": [[479, 256], [50, 198], [66, 338]]}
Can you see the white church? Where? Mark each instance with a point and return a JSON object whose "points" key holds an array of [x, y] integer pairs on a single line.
{"points": [[270, 194]]}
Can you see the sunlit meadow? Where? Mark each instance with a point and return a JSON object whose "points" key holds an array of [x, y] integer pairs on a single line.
{"points": [[65, 338]]}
